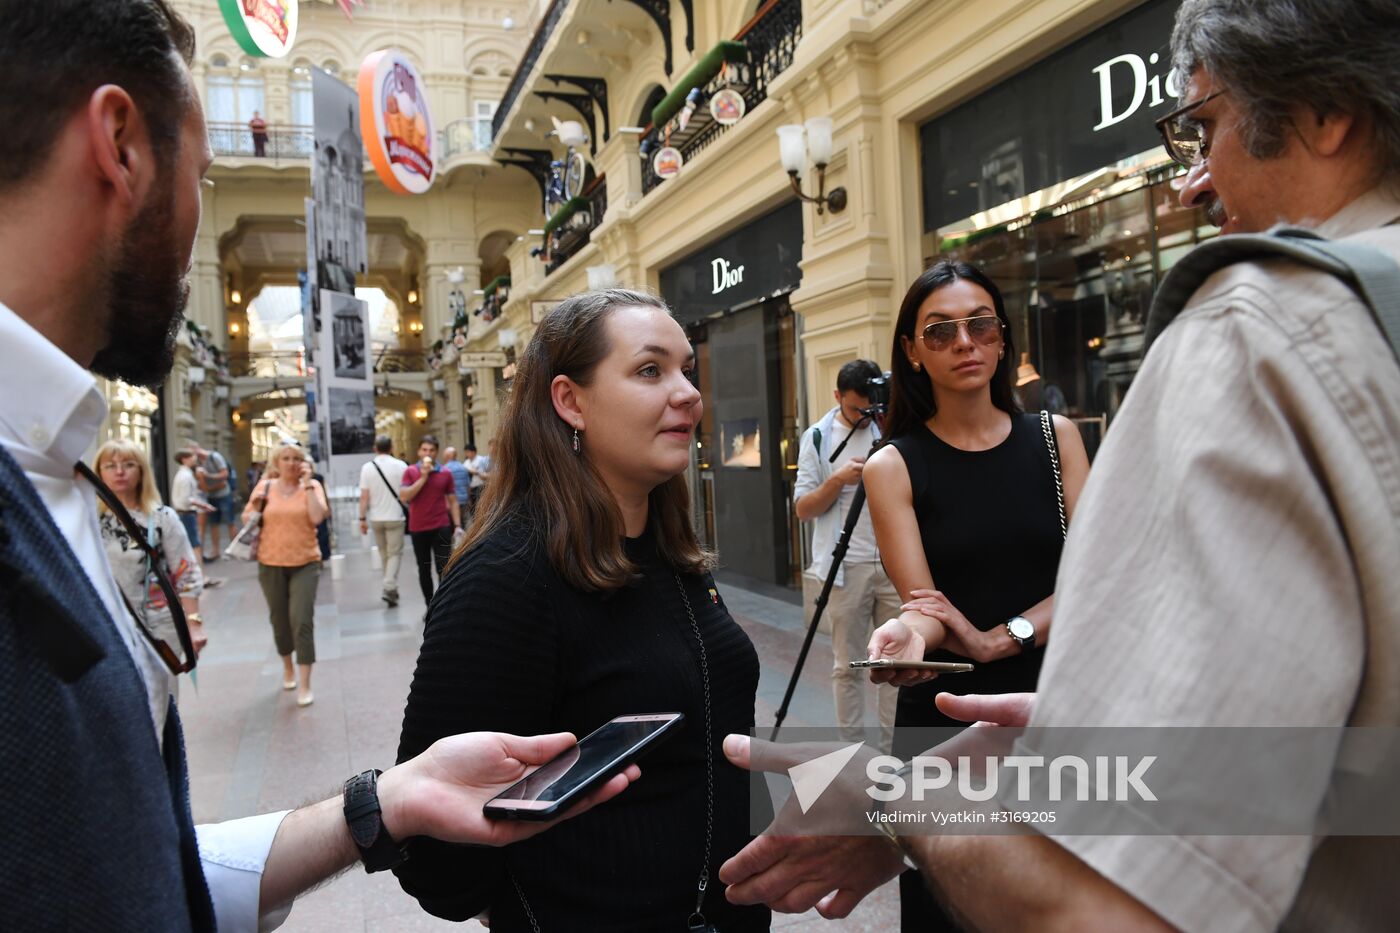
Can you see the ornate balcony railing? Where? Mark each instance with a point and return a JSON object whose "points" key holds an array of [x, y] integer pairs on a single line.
{"points": [[282, 143], [771, 38], [268, 364], [527, 64], [574, 234], [400, 361], [291, 364]]}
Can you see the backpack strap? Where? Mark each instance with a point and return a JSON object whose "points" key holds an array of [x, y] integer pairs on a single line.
{"points": [[1369, 272]]}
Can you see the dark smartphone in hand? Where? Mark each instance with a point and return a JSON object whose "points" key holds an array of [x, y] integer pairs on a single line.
{"points": [[552, 788]]}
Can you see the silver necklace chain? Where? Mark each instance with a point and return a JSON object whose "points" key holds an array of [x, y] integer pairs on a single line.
{"points": [[697, 918], [1055, 466]]}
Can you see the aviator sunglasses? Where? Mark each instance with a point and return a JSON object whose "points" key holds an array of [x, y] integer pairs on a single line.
{"points": [[984, 329]]}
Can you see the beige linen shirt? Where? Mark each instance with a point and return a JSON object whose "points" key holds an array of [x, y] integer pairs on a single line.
{"points": [[1235, 560]]}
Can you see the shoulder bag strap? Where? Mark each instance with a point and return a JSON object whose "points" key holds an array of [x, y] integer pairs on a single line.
{"points": [[1047, 426], [1369, 272], [392, 491], [172, 599]]}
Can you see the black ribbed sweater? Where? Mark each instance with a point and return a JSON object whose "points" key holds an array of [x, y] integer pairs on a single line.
{"points": [[509, 647]]}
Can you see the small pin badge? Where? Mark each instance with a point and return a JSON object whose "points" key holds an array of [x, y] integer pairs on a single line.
{"points": [[714, 596]]}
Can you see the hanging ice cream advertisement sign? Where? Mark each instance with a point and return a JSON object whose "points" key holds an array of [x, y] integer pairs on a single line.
{"points": [[265, 28], [397, 127], [727, 106], [667, 162]]}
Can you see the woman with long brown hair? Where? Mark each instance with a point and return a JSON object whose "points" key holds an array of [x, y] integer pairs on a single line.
{"points": [[581, 594], [970, 501]]}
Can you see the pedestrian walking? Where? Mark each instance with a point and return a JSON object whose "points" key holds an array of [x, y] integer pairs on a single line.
{"points": [[292, 504], [188, 503], [124, 468], [216, 482], [477, 467], [829, 463], [461, 480], [382, 511], [433, 515], [579, 594]]}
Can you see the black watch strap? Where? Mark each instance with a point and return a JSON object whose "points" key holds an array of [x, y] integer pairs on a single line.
{"points": [[377, 848]]}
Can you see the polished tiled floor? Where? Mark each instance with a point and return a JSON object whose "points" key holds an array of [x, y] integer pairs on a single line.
{"points": [[252, 749]]}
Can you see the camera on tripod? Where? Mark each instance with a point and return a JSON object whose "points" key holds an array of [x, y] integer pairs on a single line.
{"points": [[877, 392]]}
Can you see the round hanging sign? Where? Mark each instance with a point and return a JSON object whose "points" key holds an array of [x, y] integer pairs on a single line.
{"points": [[667, 162], [727, 106], [395, 122], [265, 28]]}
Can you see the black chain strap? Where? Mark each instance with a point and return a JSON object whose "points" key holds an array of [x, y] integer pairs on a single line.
{"points": [[1055, 467], [696, 921]]}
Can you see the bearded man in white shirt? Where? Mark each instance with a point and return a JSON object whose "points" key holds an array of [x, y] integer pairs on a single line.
{"points": [[100, 172]]}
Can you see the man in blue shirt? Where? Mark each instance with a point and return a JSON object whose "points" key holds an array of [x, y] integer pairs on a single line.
{"points": [[461, 479]]}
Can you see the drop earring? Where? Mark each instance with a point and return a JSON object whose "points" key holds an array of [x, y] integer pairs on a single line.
{"points": [[577, 446], [916, 367]]}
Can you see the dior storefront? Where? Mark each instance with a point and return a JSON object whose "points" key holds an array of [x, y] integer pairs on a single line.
{"points": [[732, 298], [1055, 183]]}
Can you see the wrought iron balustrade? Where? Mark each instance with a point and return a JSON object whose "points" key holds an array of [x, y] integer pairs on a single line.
{"points": [[268, 364], [283, 141], [527, 64], [771, 37], [291, 364], [573, 235]]}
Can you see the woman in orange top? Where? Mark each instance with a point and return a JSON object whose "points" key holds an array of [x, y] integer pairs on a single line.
{"points": [[289, 560]]}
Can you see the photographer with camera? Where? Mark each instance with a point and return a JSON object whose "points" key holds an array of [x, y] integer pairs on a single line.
{"points": [[829, 467]]}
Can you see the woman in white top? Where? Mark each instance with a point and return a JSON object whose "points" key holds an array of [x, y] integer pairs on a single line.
{"points": [[124, 468]]}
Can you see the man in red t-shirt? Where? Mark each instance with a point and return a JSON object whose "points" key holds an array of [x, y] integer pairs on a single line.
{"points": [[433, 515]]}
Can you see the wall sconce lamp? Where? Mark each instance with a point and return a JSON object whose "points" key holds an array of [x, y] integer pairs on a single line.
{"points": [[236, 297], [237, 418], [415, 327], [234, 328], [413, 296], [421, 413], [817, 145]]}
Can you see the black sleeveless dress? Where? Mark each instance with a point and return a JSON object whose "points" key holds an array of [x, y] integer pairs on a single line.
{"points": [[990, 525]]}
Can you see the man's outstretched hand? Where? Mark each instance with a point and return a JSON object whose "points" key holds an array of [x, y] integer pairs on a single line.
{"points": [[792, 873]]}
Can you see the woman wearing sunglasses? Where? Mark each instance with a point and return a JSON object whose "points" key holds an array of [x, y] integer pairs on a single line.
{"points": [[965, 504]]}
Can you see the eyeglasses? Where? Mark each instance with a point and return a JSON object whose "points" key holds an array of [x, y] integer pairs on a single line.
{"points": [[984, 329], [172, 600], [1182, 135]]}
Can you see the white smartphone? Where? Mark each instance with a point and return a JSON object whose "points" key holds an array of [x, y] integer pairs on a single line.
{"points": [[553, 787]]}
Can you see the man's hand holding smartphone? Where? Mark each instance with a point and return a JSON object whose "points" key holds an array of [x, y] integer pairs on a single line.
{"points": [[441, 792]]}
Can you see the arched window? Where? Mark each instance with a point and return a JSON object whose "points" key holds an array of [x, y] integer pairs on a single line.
{"points": [[219, 61], [302, 114], [250, 91]]}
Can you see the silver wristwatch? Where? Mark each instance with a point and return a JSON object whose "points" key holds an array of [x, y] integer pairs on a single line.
{"points": [[1022, 632]]}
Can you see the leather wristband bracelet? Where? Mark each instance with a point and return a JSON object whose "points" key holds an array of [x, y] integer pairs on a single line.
{"points": [[377, 848]]}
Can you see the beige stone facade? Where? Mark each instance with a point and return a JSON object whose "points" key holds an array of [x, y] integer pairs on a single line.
{"points": [[879, 70]]}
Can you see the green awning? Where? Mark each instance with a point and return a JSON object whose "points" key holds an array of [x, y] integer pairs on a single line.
{"points": [[698, 76]]}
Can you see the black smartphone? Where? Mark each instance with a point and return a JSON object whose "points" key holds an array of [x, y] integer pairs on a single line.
{"points": [[552, 788]]}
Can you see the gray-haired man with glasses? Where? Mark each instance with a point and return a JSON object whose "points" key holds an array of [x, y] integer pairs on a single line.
{"points": [[1235, 556]]}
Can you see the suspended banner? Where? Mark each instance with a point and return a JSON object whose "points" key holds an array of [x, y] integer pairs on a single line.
{"points": [[398, 129], [265, 28], [338, 185]]}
